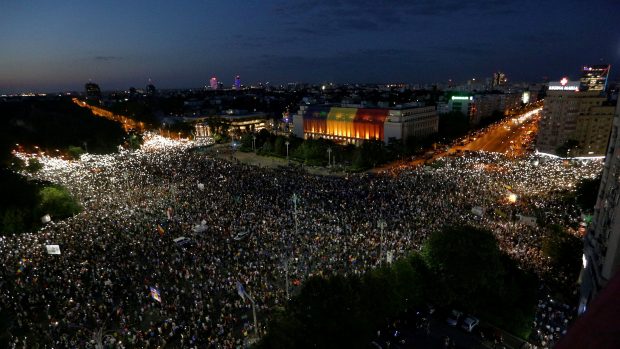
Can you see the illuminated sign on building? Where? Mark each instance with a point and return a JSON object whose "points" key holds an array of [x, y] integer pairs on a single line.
{"points": [[564, 85], [462, 98]]}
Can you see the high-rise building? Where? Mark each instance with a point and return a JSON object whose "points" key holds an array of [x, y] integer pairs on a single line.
{"points": [[93, 92], [578, 120], [151, 90], [213, 83], [499, 79], [601, 260], [237, 85], [594, 77]]}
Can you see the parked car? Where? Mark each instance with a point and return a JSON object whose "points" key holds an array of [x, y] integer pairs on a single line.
{"points": [[453, 318], [469, 323]]}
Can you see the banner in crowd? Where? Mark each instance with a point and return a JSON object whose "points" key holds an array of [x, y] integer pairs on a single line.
{"points": [[52, 249], [526, 220], [478, 211], [390, 257]]}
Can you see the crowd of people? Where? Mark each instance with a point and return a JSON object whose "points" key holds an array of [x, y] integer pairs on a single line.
{"points": [[122, 279]]}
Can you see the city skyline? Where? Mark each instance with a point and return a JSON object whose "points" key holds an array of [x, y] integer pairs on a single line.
{"points": [[59, 47]]}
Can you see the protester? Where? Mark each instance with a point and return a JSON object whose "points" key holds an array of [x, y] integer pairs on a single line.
{"points": [[119, 255]]}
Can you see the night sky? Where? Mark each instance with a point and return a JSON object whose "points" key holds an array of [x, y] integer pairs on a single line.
{"points": [[48, 46]]}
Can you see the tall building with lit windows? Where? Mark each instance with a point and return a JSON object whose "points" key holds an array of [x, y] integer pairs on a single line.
{"points": [[93, 92], [601, 259], [352, 125], [499, 79], [237, 84], [594, 77], [581, 119]]}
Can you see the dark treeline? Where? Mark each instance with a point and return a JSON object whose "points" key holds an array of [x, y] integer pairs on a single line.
{"points": [[56, 124], [50, 125]]}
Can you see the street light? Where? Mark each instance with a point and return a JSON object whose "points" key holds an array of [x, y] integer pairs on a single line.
{"points": [[287, 143], [295, 199], [381, 225], [329, 156], [253, 142]]}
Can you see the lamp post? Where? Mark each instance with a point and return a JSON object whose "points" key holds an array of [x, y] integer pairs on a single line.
{"points": [[253, 142], [381, 225], [295, 199], [512, 198], [329, 156], [287, 143]]}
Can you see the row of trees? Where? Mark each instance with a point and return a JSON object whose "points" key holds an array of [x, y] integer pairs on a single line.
{"points": [[459, 267], [318, 152]]}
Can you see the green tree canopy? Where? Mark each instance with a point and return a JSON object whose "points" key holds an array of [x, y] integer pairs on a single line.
{"points": [[467, 263], [34, 165], [57, 202]]}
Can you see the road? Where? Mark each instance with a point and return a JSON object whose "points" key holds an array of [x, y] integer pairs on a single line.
{"points": [[509, 137], [512, 136]]}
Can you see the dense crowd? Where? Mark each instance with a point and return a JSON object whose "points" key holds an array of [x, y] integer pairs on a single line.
{"points": [[243, 228]]}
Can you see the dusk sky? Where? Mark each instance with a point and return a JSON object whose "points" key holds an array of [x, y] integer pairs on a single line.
{"points": [[48, 46]]}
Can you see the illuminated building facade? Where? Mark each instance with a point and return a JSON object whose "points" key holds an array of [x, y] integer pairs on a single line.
{"points": [[594, 77], [480, 106], [213, 83], [601, 260], [237, 84], [573, 115], [236, 123], [352, 125]]}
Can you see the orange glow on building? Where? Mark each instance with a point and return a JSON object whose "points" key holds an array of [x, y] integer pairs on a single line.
{"points": [[350, 123]]}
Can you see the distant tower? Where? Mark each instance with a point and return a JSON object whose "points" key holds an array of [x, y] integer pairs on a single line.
{"points": [[93, 92], [237, 83], [499, 79], [150, 89], [594, 77], [213, 83]]}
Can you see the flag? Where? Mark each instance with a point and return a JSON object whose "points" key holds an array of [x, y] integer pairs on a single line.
{"points": [[22, 266], [155, 294], [160, 230], [241, 290]]}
